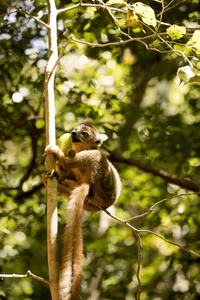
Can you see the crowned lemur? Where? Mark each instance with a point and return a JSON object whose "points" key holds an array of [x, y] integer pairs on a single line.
{"points": [[90, 182]]}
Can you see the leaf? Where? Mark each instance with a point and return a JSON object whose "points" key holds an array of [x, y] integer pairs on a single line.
{"points": [[194, 42], [145, 12], [132, 20], [196, 46], [119, 3], [185, 51], [188, 74], [196, 37], [176, 32]]}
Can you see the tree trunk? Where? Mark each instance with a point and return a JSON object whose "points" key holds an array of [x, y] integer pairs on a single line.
{"points": [[52, 219]]}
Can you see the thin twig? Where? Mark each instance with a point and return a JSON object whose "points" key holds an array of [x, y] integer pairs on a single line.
{"points": [[59, 57], [26, 13], [9, 13], [169, 242], [28, 274], [169, 8], [110, 10], [121, 42], [161, 15], [114, 19], [159, 202], [180, 53], [137, 231], [62, 10], [149, 231], [139, 263], [168, 177], [80, 4]]}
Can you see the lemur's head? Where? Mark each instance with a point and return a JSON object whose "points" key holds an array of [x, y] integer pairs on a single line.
{"points": [[86, 137]]}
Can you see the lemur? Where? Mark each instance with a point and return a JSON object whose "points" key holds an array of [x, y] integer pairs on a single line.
{"points": [[92, 184]]}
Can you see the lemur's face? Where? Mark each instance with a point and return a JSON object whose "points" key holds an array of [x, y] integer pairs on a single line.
{"points": [[85, 137]]}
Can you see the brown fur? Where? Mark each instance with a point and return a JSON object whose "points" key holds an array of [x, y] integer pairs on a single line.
{"points": [[92, 180]]}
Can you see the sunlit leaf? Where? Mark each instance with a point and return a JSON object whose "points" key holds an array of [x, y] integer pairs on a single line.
{"points": [[188, 74], [194, 42], [183, 49], [119, 3], [196, 37], [176, 32], [145, 12], [133, 20], [196, 46]]}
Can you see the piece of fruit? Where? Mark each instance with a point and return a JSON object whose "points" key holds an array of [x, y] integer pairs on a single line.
{"points": [[65, 142]]}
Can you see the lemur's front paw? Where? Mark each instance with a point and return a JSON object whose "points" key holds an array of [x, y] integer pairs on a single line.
{"points": [[71, 153], [51, 149], [45, 177], [49, 175]]}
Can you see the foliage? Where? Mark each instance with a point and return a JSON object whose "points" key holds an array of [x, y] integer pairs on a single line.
{"points": [[133, 95]]}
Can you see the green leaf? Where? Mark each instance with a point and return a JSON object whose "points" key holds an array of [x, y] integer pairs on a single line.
{"points": [[194, 42], [185, 51], [119, 3], [145, 12], [132, 20], [188, 74], [176, 32], [196, 37]]}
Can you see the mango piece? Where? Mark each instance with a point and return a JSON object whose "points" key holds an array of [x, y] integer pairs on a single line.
{"points": [[65, 142]]}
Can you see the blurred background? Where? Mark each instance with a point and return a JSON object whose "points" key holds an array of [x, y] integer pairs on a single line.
{"points": [[153, 123]]}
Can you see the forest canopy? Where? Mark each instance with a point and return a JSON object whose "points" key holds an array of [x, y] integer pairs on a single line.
{"points": [[132, 71]]}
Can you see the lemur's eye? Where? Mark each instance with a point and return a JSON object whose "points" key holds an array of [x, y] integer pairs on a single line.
{"points": [[85, 134]]}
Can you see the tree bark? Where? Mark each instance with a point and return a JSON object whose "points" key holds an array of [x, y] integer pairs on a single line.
{"points": [[171, 178], [52, 218]]}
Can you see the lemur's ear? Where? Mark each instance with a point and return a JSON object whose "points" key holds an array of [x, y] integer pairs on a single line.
{"points": [[104, 137]]}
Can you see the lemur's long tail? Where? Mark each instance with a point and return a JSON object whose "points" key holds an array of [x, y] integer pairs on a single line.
{"points": [[72, 254]]}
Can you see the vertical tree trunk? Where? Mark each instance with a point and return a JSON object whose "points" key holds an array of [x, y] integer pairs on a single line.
{"points": [[52, 220]]}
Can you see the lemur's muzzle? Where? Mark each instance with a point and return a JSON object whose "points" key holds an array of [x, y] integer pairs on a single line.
{"points": [[74, 137]]}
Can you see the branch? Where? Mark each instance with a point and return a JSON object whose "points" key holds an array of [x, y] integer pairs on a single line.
{"points": [[172, 7], [35, 189], [137, 231], [185, 183], [157, 203], [59, 57], [149, 231], [26, 13], [169, 242], [121, 42], [113, 18], [23, 195], [62, 10], [178, 52], [28, 274], [52, 215], [9, 13], [129, 39], [152, 232], [80, 4]]}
